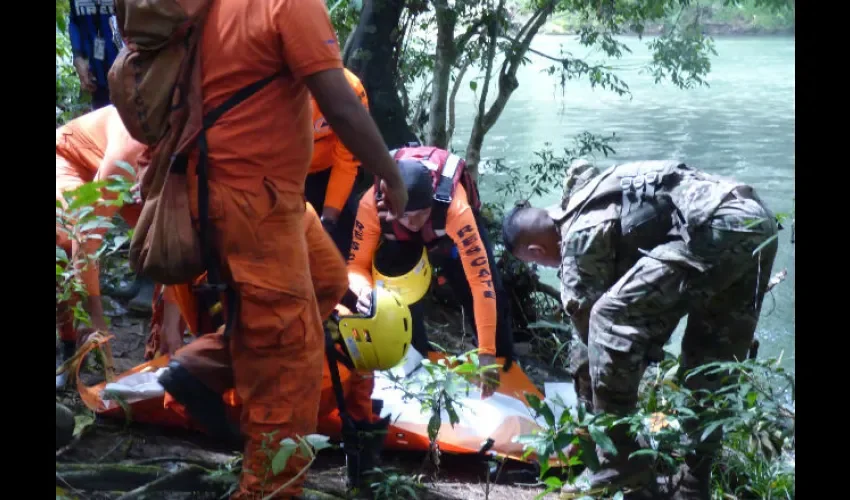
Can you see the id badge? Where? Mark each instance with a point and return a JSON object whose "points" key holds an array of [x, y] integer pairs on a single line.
{"points": [[99, 48]]}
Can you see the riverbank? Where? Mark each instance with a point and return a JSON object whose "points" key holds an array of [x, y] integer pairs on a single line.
{"points": [[714, 19], [713, 29]]}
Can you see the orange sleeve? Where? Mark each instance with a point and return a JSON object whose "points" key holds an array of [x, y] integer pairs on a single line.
{"points": [[327, 267], [119, 147], [364, 241], [345, 165], [343, 174], [463, 230], [309, 41]]}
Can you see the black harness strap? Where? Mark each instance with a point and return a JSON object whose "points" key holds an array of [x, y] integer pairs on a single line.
{"points": [[209, 293], [334, 358]]}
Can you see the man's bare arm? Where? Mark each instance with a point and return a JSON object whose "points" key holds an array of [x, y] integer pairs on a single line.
{"points": [[355, 128]]}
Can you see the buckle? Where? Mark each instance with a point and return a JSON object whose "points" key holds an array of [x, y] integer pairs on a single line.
{"points": [[639, 181], [651, 177], [626, 183]]}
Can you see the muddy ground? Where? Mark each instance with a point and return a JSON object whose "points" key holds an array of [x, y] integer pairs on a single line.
{"points": [[115, 441]]}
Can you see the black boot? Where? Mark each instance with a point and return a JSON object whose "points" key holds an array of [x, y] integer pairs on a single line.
{"points": [[202, 403], [363, 443], [617, 472], [143, 301]]}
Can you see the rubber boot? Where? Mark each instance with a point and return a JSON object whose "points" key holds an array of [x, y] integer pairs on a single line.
{"points": [[619, 472], [125, 292], [69, 347], [203, 404], [363, 442], [143, 301]]}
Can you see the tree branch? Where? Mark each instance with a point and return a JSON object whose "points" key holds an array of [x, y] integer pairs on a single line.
{"points": [[472, 30], [507, 80], [492, 34], [455, 88]]}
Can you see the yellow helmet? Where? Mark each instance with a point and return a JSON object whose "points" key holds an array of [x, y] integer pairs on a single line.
{"points": [[379, 340], [410, 286]]}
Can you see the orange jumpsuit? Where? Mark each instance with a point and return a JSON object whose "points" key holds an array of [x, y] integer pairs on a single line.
{"points": [[259, 156], [330, 153], [208, 358], [462, 228], [86, 150]]}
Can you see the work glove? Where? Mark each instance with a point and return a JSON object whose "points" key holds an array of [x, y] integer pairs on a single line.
{"points": [[364, 301]]}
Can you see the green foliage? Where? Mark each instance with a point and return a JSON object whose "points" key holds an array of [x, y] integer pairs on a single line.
{"points": [[718, 16], [393, 485], [539, 178], [755, 410], [305, 447], [80, 221], [440, 387], [574, 427], [68, 98], [344, 15]]}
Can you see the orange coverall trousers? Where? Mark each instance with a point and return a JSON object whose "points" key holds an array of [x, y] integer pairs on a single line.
{"points": [[275, 357]]}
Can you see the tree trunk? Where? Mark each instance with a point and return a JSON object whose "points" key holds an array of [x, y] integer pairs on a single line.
{"points": [[507, 84], [369, 55], [445, 58]]}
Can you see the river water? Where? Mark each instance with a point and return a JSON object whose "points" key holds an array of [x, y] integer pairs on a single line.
{"points": [[741, 126]]}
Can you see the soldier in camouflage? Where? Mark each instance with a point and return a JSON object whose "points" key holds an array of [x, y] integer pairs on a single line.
{"points": [[639, 246]]}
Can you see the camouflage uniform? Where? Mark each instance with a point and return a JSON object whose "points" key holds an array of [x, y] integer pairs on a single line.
{"points": [[626, 294]]}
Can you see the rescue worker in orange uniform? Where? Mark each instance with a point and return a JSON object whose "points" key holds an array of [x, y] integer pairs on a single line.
{"points": [[200, 373], [441, 222], [87, 149], [258, 157], [333, 175]]}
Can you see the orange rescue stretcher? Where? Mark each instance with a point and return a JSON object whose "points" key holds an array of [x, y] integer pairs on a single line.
{"points": [[499, 418]]}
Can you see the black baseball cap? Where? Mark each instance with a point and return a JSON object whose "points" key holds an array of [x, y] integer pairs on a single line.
{"points": [[420, 188]]}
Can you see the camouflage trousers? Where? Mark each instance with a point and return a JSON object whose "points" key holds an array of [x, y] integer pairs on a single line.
{"points": [[714, 278]]}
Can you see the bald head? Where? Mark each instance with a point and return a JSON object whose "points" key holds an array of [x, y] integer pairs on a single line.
{"points": [[530, 235]]}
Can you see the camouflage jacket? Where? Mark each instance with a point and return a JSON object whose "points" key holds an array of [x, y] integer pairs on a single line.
{"points": [[604, 232]]}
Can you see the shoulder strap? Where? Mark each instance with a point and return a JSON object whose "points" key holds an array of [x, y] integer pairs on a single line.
{"points": [[447, 179], [214, 285]]}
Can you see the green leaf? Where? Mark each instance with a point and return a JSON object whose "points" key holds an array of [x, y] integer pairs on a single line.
{"points": [[534, 402], [81, 422], [465, 368], [453, 416], [588, 454], [126, 167], [473, 85], [563, 439], [765, 243], [651, 453], [711, 428], [287, 448], [546, 411], [318, 441], [601, 438]]}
